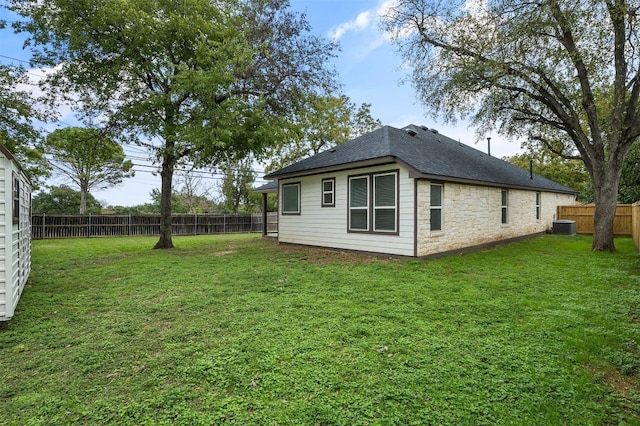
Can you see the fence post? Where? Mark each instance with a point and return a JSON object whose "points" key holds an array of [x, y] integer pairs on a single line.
{"points": [[195, 231], [89, 226], [129, 225], [43, 225], [224, 223]]}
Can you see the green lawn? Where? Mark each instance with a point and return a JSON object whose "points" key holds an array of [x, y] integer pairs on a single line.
{"points": [[240, 330]]}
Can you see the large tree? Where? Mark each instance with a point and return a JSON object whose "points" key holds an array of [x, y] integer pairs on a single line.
{"points": [[571, 173], [17, 117], [197, 80], [63, 200], [88, 158], [319, 123], [563, 73], [236, 187]]}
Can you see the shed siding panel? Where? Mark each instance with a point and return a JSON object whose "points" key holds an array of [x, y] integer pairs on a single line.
{"points": [[15, 238], [5, 284], [327, 226], [471, 216]]}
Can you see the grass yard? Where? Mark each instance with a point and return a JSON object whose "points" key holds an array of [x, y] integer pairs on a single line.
{"points": [[237, 329]]}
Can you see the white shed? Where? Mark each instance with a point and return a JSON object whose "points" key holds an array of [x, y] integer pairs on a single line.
{"points": [[15, 232]]}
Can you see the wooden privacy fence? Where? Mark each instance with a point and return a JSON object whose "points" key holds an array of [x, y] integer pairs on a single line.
{"points": [[75, 226], [583, 215], [635, 219]]}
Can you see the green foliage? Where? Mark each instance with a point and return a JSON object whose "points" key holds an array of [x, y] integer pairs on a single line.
{"points": [[241, 330], [62, 200], [88, 158], [17, 116], [570, 173], [561, 75], [630, 180], [196, 79], [320, 123], [236, 189]]}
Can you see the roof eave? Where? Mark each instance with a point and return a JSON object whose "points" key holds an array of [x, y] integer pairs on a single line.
{"points": [[454, 179], [335, 168]]}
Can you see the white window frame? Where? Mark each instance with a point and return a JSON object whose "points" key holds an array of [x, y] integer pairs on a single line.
{"points": [[15, 195], [386, 207], [324, 192], [538, 205], [288, 185], [371, 207], [504, 203], [438, 208], [366, 207]]}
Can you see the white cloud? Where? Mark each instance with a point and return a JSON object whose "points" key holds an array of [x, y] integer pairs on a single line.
{"points": [[361, 22], [369, 19]]}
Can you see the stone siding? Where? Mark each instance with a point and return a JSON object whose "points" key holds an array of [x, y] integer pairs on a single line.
{"points": [[472, 215]]}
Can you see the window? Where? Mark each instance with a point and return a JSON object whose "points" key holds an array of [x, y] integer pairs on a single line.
{"points": [[373, 202], [436, 207], [16, 199], [505, 205], [359, 203], [538, 202], [291, 198], [328, 192]]}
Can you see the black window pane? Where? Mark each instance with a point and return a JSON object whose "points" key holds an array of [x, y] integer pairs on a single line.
{"points": [[385, 190], [436, 219], [385, 219], [436, 195], [358, 192], [359, 219], [290, 202]]}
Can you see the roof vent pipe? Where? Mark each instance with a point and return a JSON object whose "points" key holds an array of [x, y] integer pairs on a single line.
{"points": [[531, 169], [412, 132], [489, 146]]}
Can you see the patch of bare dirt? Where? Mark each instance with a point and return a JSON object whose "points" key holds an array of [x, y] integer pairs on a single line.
{"points": [[223, 252], [621, 383], [318, 255]]}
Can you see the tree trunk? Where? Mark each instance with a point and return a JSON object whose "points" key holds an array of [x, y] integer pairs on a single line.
{"points": [[166, 174], [605, 191], [83, 198]]}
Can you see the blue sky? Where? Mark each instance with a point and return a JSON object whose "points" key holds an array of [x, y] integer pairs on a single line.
{"points": [[368, 67]]}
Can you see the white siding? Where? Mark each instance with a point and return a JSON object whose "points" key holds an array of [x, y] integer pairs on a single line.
{"points": [[327, 226], [5, 289], [471, 216], [15, 239]]}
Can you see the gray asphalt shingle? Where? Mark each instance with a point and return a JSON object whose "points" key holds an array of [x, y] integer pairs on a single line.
{"points": [[428, 153]]}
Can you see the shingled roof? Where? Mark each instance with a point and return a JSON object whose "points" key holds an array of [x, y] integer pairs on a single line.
{"points": [[427, 154]]}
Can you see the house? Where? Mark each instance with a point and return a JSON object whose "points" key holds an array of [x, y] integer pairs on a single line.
{"points": [[411, 192], [15, 232]]}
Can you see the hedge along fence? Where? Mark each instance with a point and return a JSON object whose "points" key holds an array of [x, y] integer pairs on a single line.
{"points": [[77, 226], [583, 215]]}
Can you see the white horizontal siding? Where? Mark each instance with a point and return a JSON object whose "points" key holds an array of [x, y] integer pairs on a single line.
{"points": [[327, 226], [15, 239]]}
